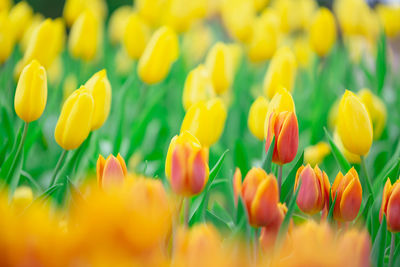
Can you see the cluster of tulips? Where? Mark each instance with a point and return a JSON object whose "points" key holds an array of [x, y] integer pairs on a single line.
{"points": [[175, 53]]}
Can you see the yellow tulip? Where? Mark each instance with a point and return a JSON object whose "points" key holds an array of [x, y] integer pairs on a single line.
{"points": [[351, 22], [238, 17], [6, 37], [123, 63], [20, 17], [376, 110], [354, 124], [281, 72], [55, 71], [206, 121], [118, 22], [75, 121], [31, 93], [5, 5], [260, 4], [151, 10], [323, 32], [351, 157], [219, 63], [303, 52], [257, 114], [198, 86], [84, 36], [136, 36], [315, 154], [389, 17], [179, 15], [195, 43], [159, 55], [69, 86], [30, 30], [74, 8], [264, 40], [100, 88]]}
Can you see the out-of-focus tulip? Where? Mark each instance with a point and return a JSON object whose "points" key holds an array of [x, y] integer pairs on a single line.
{"points": [[84, 36], [285, 128], [351, 23], [260, 4], [323, 32], [356, 244], [159, 55], [315, 154], [260, 195], [282, 101], [74, 8], [354, 124], [151, 10], [123, 63], [303, 52], [20, 17], [5, 5], [270, 233], [237, 54], [198, 87], [389, 17], [69, 86], [6, 37], [206, 121], [265, 37], [55, 71], [100, 88], [238, 17], [237, 184], [111, 171], [22, 198], [75, 121], [391, 205], [186, 165], [219, 62], [348, 192], [118, 22], [376, 109], [196, 42], [314, 190], [281, 72], [179, 15], [27, 37], [31, 93], [135, 36], [257, 114]]}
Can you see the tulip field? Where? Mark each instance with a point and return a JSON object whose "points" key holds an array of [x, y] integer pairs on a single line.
{"points": [[200, 133]]}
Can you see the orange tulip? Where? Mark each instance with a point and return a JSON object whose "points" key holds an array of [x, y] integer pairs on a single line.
{"points": [[237, 184], [269, 234], [348, 192], [314, 190], [285, 128], [391, 205], [111, 171]]}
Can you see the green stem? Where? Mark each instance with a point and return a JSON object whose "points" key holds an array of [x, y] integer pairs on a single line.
{"points": [[367, 179], [280, 178], [58, 167], [187, 208], [19, 149], [392, 247]]}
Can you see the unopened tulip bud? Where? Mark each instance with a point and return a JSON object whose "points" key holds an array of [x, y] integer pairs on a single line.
{"points": [[391, 205], [20, 16], [314, 190], [100, 88], [160, 53], [74, 8], [285, 128], [260, 195], [238, 17], [198, 87], [237, 184], [206, 121], [315, 154], [75, 121], [323, 32], [187, 165], [354, 124], [257, 114], [348, 192], [151, 10], [219, 63], [6, 37], [84, 40], [196, 42], [303, 52], [118, 22], [135, 36], [31, 93], [281, 72], [389, 17], [111, 171]]}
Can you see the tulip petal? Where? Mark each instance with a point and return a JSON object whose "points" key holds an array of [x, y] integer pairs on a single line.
{"points": [[112, 173], [264, 207], [178, 169], [351, 200], [198, 172], [393, 210], [288, 139], [309, 193]]}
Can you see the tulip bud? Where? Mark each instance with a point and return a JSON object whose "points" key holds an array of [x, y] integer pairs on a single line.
{"points": [[136, 36], [237, 184], [84, 36], [151, 10], [198, 87], [260, 195], [238, 17], [323, 32], [389, 17], [219, 62], [110, 171], [74, 8], [6, 37], [5, 5], [161, 51], [314, 190], [354, 124], [281, 72], [118, 23], [391, 205], [20, 17], [196, 43], [22, 198], [31, 93], [100, 88], [206, 121], [186, 166], [257, 114], [348, 192], [303, 52], [284, 127], [73, 125], [270, 233], [315, 154], [179, 15]]}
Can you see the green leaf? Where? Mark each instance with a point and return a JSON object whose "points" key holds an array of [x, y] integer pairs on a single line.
{"points": [[241, 216], [3, 152], [32, 181], [340, 159], [389, 171], [49, 191], [221, 216], [381, 63], [288, 216], [268, 158], [288, 183], [332, 207], [5, 168], [379, 246], [214, 171], [15, 174], [363, 215]]}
